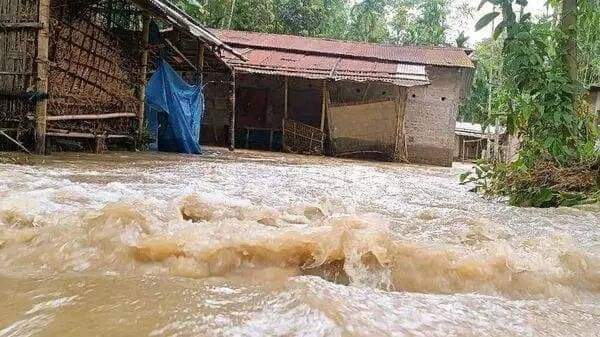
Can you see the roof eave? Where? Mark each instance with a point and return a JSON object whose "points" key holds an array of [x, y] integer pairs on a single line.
{"points": [[185, 22]]}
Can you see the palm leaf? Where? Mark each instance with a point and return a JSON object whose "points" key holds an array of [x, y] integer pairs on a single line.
{"points": [[486, 19], [498, 31]]}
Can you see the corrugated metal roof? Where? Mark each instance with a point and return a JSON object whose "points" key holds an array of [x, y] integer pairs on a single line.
{"points": [[439, 56], [318, 66]]}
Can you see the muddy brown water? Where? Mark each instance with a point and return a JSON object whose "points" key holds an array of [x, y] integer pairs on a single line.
{"points": [[254, 244]]}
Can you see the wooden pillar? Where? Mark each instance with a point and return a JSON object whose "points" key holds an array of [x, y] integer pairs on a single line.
{"points": [[200, 63], [285, 106], [286, 98], [41, 108], [232, 114], [144, 68], [324, 106], [200, 77], [400, 152]]}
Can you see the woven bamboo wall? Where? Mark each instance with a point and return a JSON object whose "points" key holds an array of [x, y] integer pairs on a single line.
{"points": [[91, 74], [18, 31]]}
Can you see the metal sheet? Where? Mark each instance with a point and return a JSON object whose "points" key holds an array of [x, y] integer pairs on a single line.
{"points": [[439, 56], [318, 66]]}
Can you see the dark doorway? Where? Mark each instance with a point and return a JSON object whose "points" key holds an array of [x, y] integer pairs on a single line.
{"points": [[305, 106], [251, 109]]}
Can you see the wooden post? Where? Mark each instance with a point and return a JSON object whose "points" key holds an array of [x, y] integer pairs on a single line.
{"points": [[324, 114], [41, 108], [400, 149], [286, 99], [232, 115], [324, 106], [285, 107], [144, 68], [200, 63], [200, 77]]}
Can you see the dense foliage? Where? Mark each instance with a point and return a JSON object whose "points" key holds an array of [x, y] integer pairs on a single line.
{"points": [[542, 104], [489, 60], [424, 22]]}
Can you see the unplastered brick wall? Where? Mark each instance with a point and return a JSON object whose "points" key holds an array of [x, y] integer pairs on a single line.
{"points": [[431, 114]]}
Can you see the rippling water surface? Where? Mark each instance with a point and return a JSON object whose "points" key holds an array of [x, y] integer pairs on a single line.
{"points": [[251, 244]]}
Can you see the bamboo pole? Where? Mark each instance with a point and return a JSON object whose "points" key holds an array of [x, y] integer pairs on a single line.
{"points": [[200, 63], [14, 141], [90, 117], [85, 135], [144, 68], [41, 108], [200, 81], [232, 114], [181, 54]]}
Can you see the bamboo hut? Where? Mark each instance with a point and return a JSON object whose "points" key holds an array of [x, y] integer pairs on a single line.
{"points": [[76, 69]]}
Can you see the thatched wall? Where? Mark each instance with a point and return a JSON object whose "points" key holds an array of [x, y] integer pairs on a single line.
{"points": [[93, 74], [18, 31]]}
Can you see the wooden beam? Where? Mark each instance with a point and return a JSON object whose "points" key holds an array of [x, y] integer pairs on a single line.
{"points": [[85, 135], [41, 108], [144, 68], [20, 25], [232, 114], [180, 54], [90, 117], [15, 141]]}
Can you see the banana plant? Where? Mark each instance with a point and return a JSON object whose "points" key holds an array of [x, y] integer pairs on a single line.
{"points": [[507, 13]]}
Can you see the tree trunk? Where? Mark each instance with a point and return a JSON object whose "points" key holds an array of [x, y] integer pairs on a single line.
{"points": [[231, 14], [568, 26]]}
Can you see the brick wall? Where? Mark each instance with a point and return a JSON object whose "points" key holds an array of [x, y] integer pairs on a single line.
{"points": [[431, 114]]}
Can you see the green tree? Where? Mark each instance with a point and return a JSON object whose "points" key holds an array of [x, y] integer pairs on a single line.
{"points": [[487, 72], [539, 97], [255, 15], [588, 41], [368, 22], [320, 18], [421, 22]]}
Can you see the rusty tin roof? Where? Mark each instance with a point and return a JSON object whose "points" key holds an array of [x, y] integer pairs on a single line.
{"points": [[323, 58]]}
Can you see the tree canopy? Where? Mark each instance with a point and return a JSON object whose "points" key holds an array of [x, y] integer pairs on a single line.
{"points": [[422, 22]]}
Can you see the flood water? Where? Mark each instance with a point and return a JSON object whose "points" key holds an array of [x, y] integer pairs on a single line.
{"points": [[251, 244]]}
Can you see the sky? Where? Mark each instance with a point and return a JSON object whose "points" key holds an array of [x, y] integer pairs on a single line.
{"points": [[536, 7]]}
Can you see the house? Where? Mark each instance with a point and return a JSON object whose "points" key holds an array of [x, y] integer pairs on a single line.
{"points": [[473, 143], [73, 69], [78, 70], [322, 96]]}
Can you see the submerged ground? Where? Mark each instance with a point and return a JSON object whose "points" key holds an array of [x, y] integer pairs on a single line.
{"points": [[251, 244]]}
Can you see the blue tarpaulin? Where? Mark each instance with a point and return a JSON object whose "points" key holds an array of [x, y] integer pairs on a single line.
{"points": [[174, 110]]}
